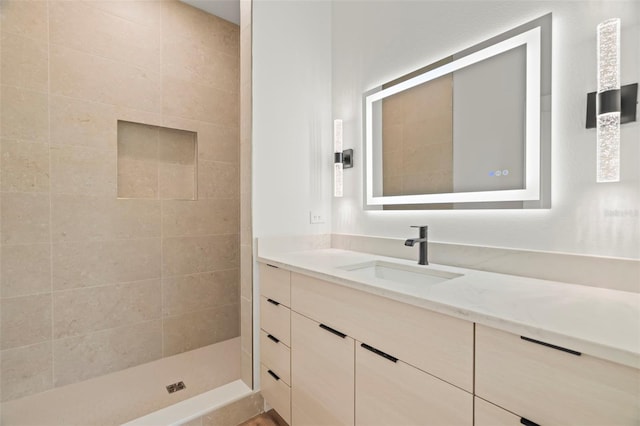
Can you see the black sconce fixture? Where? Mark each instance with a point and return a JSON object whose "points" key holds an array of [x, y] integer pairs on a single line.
{"points": [[342, 159], [623, 100]]}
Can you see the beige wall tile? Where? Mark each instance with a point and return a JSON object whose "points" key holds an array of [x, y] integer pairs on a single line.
{"points": [[82, 123], [177, 146], [137, 141], [246, 271], [137, 179], [246, 329], [246, 368], [200, 291], [25, 320], [199, 218], [25, 62], [197, 102], [72, 73], [416, 159], [83, 357], [190, 255], [77, 217], [91, 263], [425, 133], [196, 329], [237, 412], [80, 26], [215, 142], [25, 270], [246, 229], [218, 180], [185, 21], [432, 101], [83, 171], [226, 36], [189, 60], [24, 114], [24, 167], [428, 183], [26, 370], [26, 18], [147, 13], [176, 182], [24, 218], [87, 310]]}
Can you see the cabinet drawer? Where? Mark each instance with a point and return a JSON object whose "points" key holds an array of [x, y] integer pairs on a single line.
{"points": [[436, 343], [276, 392], [275, 283], [487, 414], [322, 372], [276, 356], [550, 386], [395, 393], [275, 320]]}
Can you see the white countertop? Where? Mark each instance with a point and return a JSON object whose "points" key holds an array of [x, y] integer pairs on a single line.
{"points": [[595, 321]]}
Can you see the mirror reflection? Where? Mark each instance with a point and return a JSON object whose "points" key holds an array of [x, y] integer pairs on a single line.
{"points": [[463, 132]]}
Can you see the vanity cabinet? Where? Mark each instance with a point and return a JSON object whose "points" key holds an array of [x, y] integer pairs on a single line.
{"points": [[437, 344], [355, 359], [487, 414], [550, 385], [275, 338], [391, 392], [323, 374], [334, 355]]}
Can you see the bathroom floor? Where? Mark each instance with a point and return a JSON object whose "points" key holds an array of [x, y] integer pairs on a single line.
{"points": [[270, 418]]}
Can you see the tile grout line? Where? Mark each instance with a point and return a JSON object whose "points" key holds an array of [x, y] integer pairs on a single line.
{"points": [[53, 374], [162, 204]]}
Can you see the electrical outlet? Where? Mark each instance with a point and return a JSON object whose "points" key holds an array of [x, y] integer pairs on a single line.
{"points": [[316, 217]]}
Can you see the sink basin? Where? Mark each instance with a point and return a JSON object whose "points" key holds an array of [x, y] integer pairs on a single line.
{"points": [[398, 273]]}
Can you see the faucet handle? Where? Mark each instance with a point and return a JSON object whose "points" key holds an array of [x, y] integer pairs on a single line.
{"points": [[419, 226]]}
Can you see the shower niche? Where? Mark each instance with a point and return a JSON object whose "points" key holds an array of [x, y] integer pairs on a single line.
{"points": [[156, 162]]}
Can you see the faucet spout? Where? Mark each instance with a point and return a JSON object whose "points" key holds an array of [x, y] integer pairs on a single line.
{"points": [[412, 241], [423, 248]]}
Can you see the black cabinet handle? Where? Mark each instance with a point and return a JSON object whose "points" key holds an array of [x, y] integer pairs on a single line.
{"points": [[379, 352], [549, 345], [272, 266], [332, 330], [527, 422], [273, 302], [274, 375], [275, 339]]}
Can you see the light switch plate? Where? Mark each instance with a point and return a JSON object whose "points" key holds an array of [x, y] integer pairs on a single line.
{"points": [[316, 217]]}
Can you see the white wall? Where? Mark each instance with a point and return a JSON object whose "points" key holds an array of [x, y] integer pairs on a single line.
{"points": [[292, 126], [374, 42]]}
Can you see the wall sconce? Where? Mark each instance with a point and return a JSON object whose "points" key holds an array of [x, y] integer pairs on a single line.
{"points": [[611, 105], [341, 159]]}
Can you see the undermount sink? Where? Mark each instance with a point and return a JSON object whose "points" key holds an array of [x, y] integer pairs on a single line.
{"points": [[398, 273]]}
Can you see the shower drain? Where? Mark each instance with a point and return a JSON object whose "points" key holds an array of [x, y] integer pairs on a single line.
{"points": [[175, 387]]}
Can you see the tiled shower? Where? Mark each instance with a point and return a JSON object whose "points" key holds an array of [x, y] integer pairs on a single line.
{"points": [[120, 187]]}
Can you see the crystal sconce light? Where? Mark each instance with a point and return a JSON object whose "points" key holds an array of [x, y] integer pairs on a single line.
{"points": [[611, 105], [341, 159]]}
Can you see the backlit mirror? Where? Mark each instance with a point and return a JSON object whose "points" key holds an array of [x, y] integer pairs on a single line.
{"points": [[469, 131]]}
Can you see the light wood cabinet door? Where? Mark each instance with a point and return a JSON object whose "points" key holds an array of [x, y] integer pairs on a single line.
{"points": [[438, 344], [276, 392], [391, 392], [487, 414], [275, 320], [322, 374], [276, 356], [550, 386], [275, 283]]}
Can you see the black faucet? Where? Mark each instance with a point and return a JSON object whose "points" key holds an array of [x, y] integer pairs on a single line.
{"points": [[422, 260]]}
